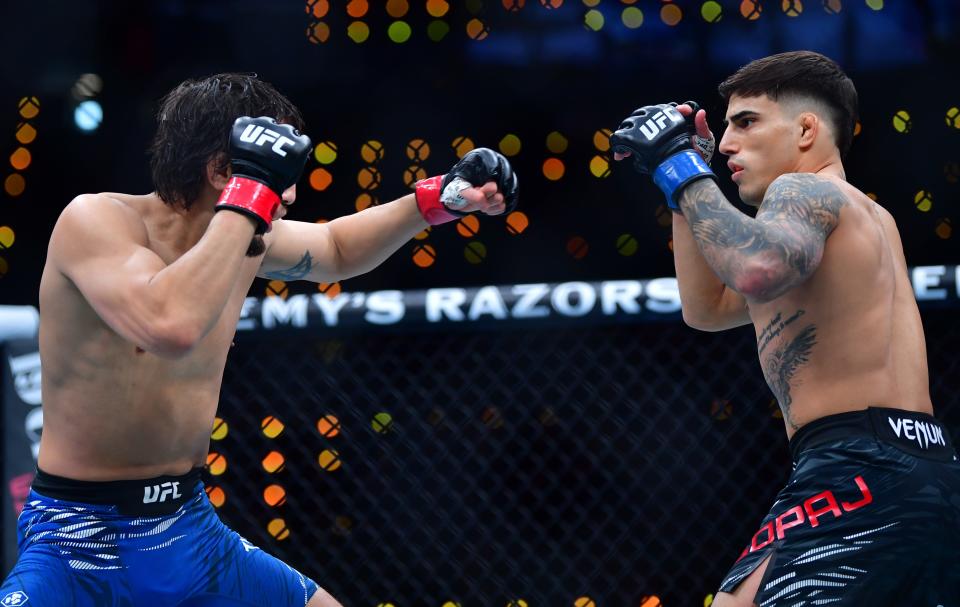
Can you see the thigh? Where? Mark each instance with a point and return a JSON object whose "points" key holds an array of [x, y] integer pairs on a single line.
{"points": [[234, 569], [42, 578]]}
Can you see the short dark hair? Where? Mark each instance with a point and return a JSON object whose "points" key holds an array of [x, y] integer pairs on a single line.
{"points": [[194, 123], [801, 73]]}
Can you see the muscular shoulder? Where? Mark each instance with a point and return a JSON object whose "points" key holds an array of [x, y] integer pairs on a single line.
{"points": [[816, 201], [94, 221]]}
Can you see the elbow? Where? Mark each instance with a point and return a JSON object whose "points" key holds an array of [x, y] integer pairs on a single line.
{"points": [[173, 340], [700, 321], [761, 282]]}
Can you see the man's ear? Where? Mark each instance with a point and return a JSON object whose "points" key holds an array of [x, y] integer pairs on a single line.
{"points": [[218, 171], [809, 129]]}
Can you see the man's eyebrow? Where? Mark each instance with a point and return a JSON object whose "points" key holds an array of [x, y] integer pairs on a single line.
{"points": [[739, 116]]}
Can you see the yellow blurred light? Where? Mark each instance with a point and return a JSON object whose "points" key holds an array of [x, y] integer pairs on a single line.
{"points": [[278, 529], [593, 20], [418, 150], [329, 460], [510, 145], [902, 121], [325, 152], [792, 8], [399, 31], [711, 11], [923, 201], [461, 145], [600, 167], [876, 5], [358, 31], [632, 17], [7, 237], [557, 143], [220, 429], [271, 426]]}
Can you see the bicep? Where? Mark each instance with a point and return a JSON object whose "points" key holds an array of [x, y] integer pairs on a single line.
{"points": [[300, 251], [798, 214], [100, 254]]}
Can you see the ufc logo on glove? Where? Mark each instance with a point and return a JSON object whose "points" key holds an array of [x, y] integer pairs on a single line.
{"points": [[259, 135], [651, 127]]}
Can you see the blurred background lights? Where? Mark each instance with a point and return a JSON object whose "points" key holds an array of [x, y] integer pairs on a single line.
{"points": [[87, 86], [88, 115], [556, 142], [320, 179], [923, 201], [20, 158], [902, 121], [14, 184], [671, 14], [953, 118], [711, 11], [29, 107], [510, 145], [875, 4], [7, 237], [358, 31], [26, 133], [514, 5], [437, 8], [475, 252], [593, 20], [318, 8], [792, 8], [437, 30], [397, 8], [632, 17], [399, 31], [461, 145], [477, 29], [553, 169], [325, 152], [750, 9], [357, 8], [278, 529], [318, 32]]}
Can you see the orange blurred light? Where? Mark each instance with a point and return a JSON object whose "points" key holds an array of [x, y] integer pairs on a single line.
{"points": [[553, 169], [320, 179], [20, 159], [357, 8]]}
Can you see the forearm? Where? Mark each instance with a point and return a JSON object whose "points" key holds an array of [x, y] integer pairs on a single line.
{"points": [[192, 291], [726, 238], [699, 285], [366, 239]]}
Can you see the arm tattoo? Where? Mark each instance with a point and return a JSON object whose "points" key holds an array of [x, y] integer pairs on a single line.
{"points": [[295, 272], [786, 238], [783, 363]]}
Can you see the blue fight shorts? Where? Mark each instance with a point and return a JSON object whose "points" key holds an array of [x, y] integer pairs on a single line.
{"points": [[869, 517], [144, 543]]}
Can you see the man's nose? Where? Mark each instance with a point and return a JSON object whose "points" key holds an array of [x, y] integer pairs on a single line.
{"points": [[728, 144]]}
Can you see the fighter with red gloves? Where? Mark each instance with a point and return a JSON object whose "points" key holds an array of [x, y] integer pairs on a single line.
{"points": [[139, 302]]}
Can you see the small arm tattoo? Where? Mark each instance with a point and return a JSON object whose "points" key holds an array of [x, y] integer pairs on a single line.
{"points": [[295, 272], [788, 234]]}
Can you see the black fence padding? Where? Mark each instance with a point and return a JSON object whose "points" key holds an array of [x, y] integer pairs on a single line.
{"points": [[627, 465]]}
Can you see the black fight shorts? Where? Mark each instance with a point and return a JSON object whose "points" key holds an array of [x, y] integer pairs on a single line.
{"points": [[869, 516]]}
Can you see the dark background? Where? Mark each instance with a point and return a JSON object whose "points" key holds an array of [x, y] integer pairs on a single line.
{"points": [[538, 71]]}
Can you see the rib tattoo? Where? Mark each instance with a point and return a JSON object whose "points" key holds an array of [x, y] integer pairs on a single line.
{"points": [[782, 365], [788, 234], [295, 272]]}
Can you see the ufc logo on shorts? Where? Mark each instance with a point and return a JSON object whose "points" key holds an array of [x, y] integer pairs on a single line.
{"points": [[654, 125], [160, 493], [259, 135]]}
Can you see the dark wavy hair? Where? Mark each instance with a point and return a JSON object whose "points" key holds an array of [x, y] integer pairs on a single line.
{"points": [[801, 73], [193, 127]]}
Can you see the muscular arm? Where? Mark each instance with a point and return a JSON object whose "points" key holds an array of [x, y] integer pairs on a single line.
{"points": [[100, 245], [766, 256], [708, 304], [345, 247]]}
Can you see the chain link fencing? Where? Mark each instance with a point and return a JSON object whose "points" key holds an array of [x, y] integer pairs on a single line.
{"points": [[606, 466]]}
